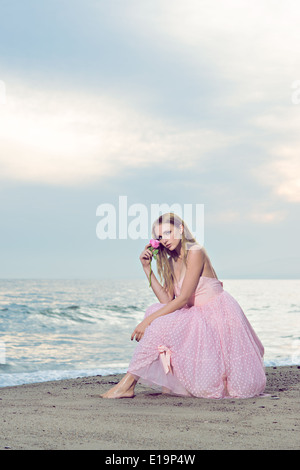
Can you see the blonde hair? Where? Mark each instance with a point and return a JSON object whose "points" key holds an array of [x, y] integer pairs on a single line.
{"points": [[164, 256]]}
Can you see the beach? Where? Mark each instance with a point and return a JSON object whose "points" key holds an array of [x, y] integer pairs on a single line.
{"points": [[71, 415]]}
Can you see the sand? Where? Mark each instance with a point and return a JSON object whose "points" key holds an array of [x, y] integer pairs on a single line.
{"points": [[69, 415]]}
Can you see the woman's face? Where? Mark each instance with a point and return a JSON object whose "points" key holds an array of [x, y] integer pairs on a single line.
{"points": [[169, 235]]}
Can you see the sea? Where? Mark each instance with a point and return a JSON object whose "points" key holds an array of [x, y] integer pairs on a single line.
{"points": [[60, 329]]}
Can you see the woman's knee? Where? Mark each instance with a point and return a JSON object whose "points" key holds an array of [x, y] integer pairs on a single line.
{"points": [[153, 308]]}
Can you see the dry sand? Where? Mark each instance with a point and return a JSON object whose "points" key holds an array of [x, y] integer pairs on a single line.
{"points": [[70, 415]]}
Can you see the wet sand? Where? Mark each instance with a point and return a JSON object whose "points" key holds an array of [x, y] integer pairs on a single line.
{"points": [[70, 414]]}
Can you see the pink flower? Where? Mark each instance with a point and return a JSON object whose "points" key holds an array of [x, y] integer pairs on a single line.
{"points": [[154, 243]]}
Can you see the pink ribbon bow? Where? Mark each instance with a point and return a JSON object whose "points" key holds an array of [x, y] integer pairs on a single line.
{"points": [[165, 357]]}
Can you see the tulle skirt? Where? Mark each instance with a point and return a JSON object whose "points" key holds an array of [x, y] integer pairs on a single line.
{"points": [[208, 351]]}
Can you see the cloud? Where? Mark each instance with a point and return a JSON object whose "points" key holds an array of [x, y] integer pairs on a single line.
{"points": [[74, 138], [250, 44], [267, 217], [282, 144], [282, 174], [77, 138], [259, 215]]}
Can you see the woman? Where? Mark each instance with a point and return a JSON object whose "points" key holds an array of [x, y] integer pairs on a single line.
{"points": [[196, 341]]}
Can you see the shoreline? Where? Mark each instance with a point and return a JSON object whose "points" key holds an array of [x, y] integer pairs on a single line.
{"points": [[70, 414]]}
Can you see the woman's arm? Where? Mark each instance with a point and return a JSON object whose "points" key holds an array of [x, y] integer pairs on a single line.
{"points": [[161, 293], [194, 268]]}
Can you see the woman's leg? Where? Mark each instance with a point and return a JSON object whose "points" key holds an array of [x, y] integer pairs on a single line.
{"points": [[124, 389]]}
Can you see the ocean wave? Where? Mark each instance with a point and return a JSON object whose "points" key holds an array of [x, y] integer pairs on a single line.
{"points": [[11, 380], [40, 376], [75, 327], [18, 314]]}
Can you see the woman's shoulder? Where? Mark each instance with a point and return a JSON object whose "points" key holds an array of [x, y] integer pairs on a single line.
{"points": [[196, 248], [199, 254], [196, 252]]}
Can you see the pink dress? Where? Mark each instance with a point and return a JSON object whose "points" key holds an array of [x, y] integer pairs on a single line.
{"points": [[206, 350]]}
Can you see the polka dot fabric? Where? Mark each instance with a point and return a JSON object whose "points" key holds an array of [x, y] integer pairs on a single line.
{"points": [[212, 348]]}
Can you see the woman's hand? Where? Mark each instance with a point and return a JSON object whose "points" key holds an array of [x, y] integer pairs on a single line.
{"points": [[146, 256], [140, 330]]}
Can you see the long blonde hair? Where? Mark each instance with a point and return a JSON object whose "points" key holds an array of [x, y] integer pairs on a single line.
{"points": [[164, 256]]}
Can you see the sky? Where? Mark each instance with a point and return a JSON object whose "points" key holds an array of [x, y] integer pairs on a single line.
{"points": [[159, 102]]}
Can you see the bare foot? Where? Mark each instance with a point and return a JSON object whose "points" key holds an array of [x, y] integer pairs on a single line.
{"points": [[124, 389], [118, 392]]}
